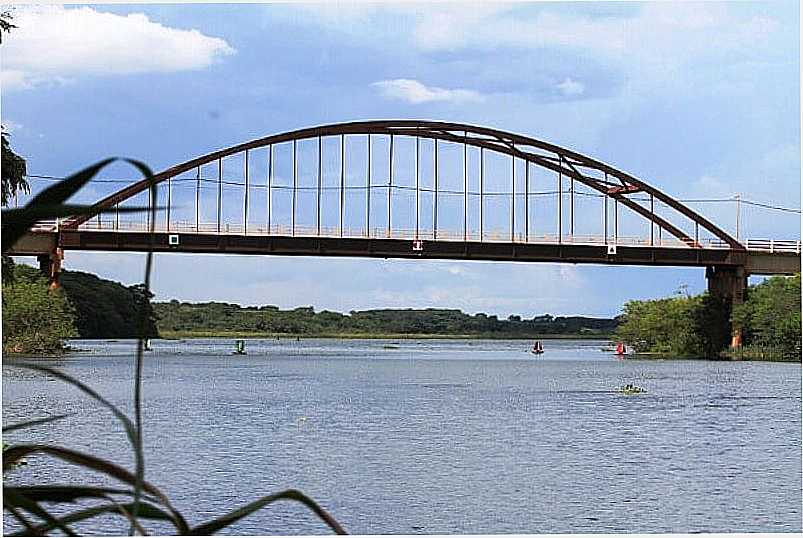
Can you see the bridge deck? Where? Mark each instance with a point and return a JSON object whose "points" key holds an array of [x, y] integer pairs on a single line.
{"points": [[397, 248], [331, 232], [762, 256]]}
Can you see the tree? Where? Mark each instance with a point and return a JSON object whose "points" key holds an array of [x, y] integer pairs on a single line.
{"points": [[143, 309], [106, 309], [13, 166], [35, 319], [5, 23], [14, 170], [680, 326], [770, 317], [13, 180]]}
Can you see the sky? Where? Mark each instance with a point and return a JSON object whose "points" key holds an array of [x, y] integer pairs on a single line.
{"points": [[701, 100]]}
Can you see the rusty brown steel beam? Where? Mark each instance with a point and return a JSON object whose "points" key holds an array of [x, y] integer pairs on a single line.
{"points": [[493, 139], [287, 245], [591, 182]]}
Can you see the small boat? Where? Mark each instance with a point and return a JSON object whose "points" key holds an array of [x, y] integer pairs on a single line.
{"points": [[146, 346], [239, 347], [630, 389], [537, 348], [621, 349]]}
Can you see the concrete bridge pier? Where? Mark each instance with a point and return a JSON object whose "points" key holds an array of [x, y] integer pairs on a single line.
{"points": [[50, 266], [728, 284]]}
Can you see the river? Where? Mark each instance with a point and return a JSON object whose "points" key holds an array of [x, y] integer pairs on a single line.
{"points": [[435, 436]]}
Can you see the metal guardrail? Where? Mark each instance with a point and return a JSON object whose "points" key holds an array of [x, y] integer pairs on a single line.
{"points": [[757, 245], [773, 245]]}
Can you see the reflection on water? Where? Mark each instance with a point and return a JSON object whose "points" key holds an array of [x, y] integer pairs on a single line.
{"points": [[438, 436]]}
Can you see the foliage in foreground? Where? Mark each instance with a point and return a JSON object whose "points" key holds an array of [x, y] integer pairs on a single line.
{"points": [[770, 318], [686, 327], [137, 501], [36, 320]]}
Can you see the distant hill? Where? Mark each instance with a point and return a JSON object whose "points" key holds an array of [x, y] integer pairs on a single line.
{"points": [[177, 318], [104, 308]]}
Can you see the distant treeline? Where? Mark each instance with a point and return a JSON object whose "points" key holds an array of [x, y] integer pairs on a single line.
{"points": [[177, 318]]}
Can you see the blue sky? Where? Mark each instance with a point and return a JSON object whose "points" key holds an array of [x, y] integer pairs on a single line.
{"points": [[700, 100]]}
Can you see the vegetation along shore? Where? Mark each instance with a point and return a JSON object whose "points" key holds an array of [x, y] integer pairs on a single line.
{"points": [[688, 326], [37, 321]]}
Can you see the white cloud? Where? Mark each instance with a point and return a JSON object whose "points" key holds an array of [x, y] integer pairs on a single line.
{"points": [[54, 43], [654, 44], [415, 92], [10, 125], [571, 87], [684, 29]]}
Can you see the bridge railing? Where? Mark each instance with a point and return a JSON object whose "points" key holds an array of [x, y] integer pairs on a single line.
{"points": [[285, 230], [773, 245]]}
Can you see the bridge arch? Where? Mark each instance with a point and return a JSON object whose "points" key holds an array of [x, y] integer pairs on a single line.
{"points": [[609, 182]]}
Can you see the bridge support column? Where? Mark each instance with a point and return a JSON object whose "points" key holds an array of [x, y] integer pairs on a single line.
{"points": [[50, 266], [728, 284]]}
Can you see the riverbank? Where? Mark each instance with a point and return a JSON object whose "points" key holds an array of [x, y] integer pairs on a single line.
{"points": [[734, 355], [759, 353]]}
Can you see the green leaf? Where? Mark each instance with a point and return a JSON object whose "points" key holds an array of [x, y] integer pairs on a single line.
{"points": [[224, 521], [36, 422], [42, 212], [147, 511], [62, 190], [15, 453], [70, 493], [46, 204], [127, 424], [13, 498]]}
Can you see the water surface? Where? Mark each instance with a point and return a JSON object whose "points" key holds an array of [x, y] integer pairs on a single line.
{"points": [[436, 436]]}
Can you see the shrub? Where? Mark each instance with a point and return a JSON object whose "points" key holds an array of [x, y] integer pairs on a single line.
{"points": [[35, 319], [678, 326]]}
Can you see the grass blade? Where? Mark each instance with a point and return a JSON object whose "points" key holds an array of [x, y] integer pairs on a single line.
{"points": [[26, 214], [21, 518], [127, 514], [36, 422], [46, 204], [127, 424], [14, 453], [12, 498], [51, 196], [62, 190], [148, 512], [70, 493], [224, 521], [16, 222], [143, 328]]}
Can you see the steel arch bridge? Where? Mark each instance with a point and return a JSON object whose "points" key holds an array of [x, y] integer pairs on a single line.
{"points": [[411, 189], [408, 188], [568, 166]]}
